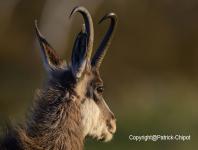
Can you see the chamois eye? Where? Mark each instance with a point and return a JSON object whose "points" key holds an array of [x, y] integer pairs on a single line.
{"points": [[100, 89]]}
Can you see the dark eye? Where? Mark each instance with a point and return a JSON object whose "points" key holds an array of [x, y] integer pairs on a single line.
{"points": [[100, 89]]}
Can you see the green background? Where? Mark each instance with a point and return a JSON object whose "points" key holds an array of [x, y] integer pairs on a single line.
{"points": [[150, 71]]}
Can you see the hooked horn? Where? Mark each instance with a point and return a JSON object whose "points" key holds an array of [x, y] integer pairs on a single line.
{"points": [[104, 45], [89, 27]]}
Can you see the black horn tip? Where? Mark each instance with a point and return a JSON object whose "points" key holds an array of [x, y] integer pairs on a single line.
{"points": [[80, 9], [73, 11], [111, 16]]}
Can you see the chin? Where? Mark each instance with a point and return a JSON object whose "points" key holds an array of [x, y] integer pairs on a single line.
{"points": [[105, 137], [108, 138]]}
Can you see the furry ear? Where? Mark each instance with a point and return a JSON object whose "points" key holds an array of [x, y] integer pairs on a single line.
{"points": [[51, 60], [78, 59]]}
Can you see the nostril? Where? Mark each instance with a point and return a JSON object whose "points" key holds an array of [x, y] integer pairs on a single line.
{"points": [[112, 116], [111, 125]]}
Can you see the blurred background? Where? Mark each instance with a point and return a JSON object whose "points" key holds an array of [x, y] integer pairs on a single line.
{"points": [[150, 71]]}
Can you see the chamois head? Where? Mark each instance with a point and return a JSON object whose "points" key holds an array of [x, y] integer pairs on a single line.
{"points": [[82, 75]]}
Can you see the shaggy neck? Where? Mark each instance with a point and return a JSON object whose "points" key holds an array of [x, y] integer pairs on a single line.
{"points": [[55, 121]]}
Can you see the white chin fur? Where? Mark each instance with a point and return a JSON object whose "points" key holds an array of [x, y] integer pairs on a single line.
{"points": [[92, 122]]}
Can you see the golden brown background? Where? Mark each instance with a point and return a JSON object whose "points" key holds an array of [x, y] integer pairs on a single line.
{"points": [[150, 71]]}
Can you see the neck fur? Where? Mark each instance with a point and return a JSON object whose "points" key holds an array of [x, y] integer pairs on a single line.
{"points": [[55, 121]]}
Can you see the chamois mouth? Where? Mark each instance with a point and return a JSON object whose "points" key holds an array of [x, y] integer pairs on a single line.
{"points": [[106, 137], [111, 132]]}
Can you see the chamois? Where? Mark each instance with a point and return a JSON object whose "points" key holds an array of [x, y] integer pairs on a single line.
{"points": [[70, 106]]}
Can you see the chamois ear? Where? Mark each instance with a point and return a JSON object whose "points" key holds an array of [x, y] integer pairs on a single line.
{"points": [[83, 45], [50, 58], [78, 58]]}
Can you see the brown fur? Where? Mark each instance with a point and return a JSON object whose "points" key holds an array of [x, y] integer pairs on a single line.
{"points": [[55, 123]]}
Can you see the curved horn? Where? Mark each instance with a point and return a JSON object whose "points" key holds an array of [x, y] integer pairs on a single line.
{"points": [[88, 25], [104, 45]]}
